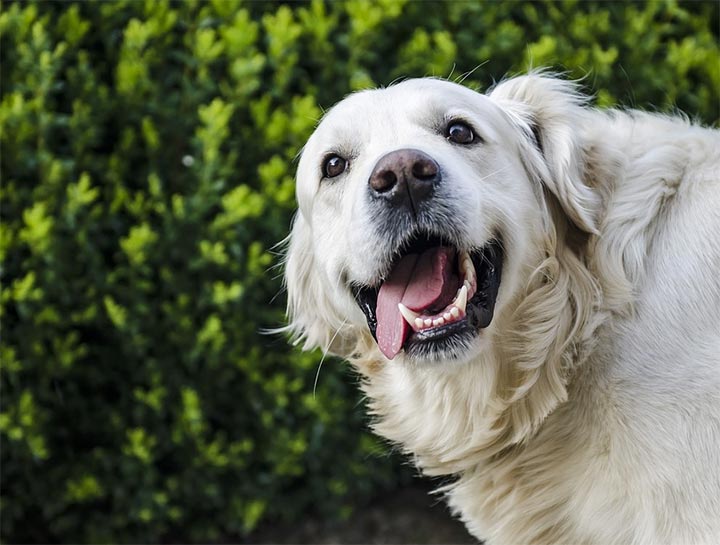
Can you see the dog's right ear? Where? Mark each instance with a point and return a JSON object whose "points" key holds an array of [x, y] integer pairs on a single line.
{"points": [[312, 318]]}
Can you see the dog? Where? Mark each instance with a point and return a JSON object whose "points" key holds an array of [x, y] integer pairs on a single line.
{"points": [[529, 288]]}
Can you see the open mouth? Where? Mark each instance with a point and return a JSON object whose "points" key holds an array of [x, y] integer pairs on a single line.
{"points": [[435, 298]]}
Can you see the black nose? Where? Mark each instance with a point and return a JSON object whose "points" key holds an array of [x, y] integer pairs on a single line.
{"points": [[404, 177]]}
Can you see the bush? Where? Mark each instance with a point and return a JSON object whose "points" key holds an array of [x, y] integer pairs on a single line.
{"points": [[147, 169]]}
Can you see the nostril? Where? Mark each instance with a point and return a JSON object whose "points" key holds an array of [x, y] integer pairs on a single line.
{"points": [[383, 181], [424, 168]]}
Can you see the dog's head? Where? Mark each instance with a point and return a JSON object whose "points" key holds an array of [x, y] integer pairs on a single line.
{"points": [[425, 210]]}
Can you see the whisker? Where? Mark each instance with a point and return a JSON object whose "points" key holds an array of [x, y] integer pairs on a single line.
{"points": [[317, 374], [466, 75]]}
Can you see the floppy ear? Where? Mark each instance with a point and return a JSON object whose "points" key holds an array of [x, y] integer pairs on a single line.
{"points": [[549, 110], [312, 318]]}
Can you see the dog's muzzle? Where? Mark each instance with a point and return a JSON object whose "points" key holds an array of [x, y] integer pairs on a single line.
{"points": [[435, 291]]}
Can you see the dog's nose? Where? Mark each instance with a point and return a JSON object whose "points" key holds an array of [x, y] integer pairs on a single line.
{"points": [[404, 177]]}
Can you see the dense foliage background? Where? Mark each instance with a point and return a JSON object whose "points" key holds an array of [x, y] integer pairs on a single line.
{"points": [[147, 172]]}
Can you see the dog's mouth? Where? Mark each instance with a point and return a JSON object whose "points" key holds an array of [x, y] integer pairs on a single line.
{"points": [[435, 299]]}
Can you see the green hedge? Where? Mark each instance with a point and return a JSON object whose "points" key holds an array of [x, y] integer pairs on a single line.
{"points": [[147, 171]]}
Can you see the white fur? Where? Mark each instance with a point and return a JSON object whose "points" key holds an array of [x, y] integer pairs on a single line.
{"points": [[589, 410]]}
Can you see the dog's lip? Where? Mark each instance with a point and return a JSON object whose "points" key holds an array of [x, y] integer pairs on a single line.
{"points": [[488, 261]]}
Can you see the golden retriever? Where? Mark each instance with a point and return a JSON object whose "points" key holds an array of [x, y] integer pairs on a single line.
{"points": [[530, 288]]}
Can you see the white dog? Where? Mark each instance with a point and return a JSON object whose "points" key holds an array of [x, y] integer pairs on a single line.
{"points": [[531, 290]]}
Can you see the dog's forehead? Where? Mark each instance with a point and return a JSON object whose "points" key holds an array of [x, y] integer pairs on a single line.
{"points": [[415, 100]]}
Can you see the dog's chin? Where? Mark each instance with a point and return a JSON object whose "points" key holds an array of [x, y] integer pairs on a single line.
{"points": [[459, 338], [452, 343]]}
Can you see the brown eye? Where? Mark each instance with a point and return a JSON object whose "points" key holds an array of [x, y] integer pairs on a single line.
{"points": [[460, 133], [333, 166]]}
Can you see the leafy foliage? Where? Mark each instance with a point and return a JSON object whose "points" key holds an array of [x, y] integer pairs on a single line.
{"points": [[147, 169]]}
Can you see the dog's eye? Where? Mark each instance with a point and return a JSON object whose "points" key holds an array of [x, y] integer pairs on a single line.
{"points": [[334, 165], [460, 133]]}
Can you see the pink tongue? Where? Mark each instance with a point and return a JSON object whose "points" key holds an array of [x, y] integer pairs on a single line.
{"points": [[419, 281]]}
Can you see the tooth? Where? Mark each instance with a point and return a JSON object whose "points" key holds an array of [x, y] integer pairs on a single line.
{"points": [[461, 300], [419, 323], [469, 269], [428, 322], [447, 316], [408, 314], [455, 312], [439, 321]]}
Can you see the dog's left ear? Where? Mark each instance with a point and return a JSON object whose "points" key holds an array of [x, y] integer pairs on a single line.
{"points": [[548, 112]]}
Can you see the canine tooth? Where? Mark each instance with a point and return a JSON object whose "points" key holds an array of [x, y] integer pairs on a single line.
{"points": [[408, 314], [428, 322], [461, 301], [419, 323], [469, 269], [447, 316], [467, 285], [455, 312]]}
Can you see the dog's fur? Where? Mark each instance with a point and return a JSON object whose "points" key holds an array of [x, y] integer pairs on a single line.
{"points": [[589, 410]]}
